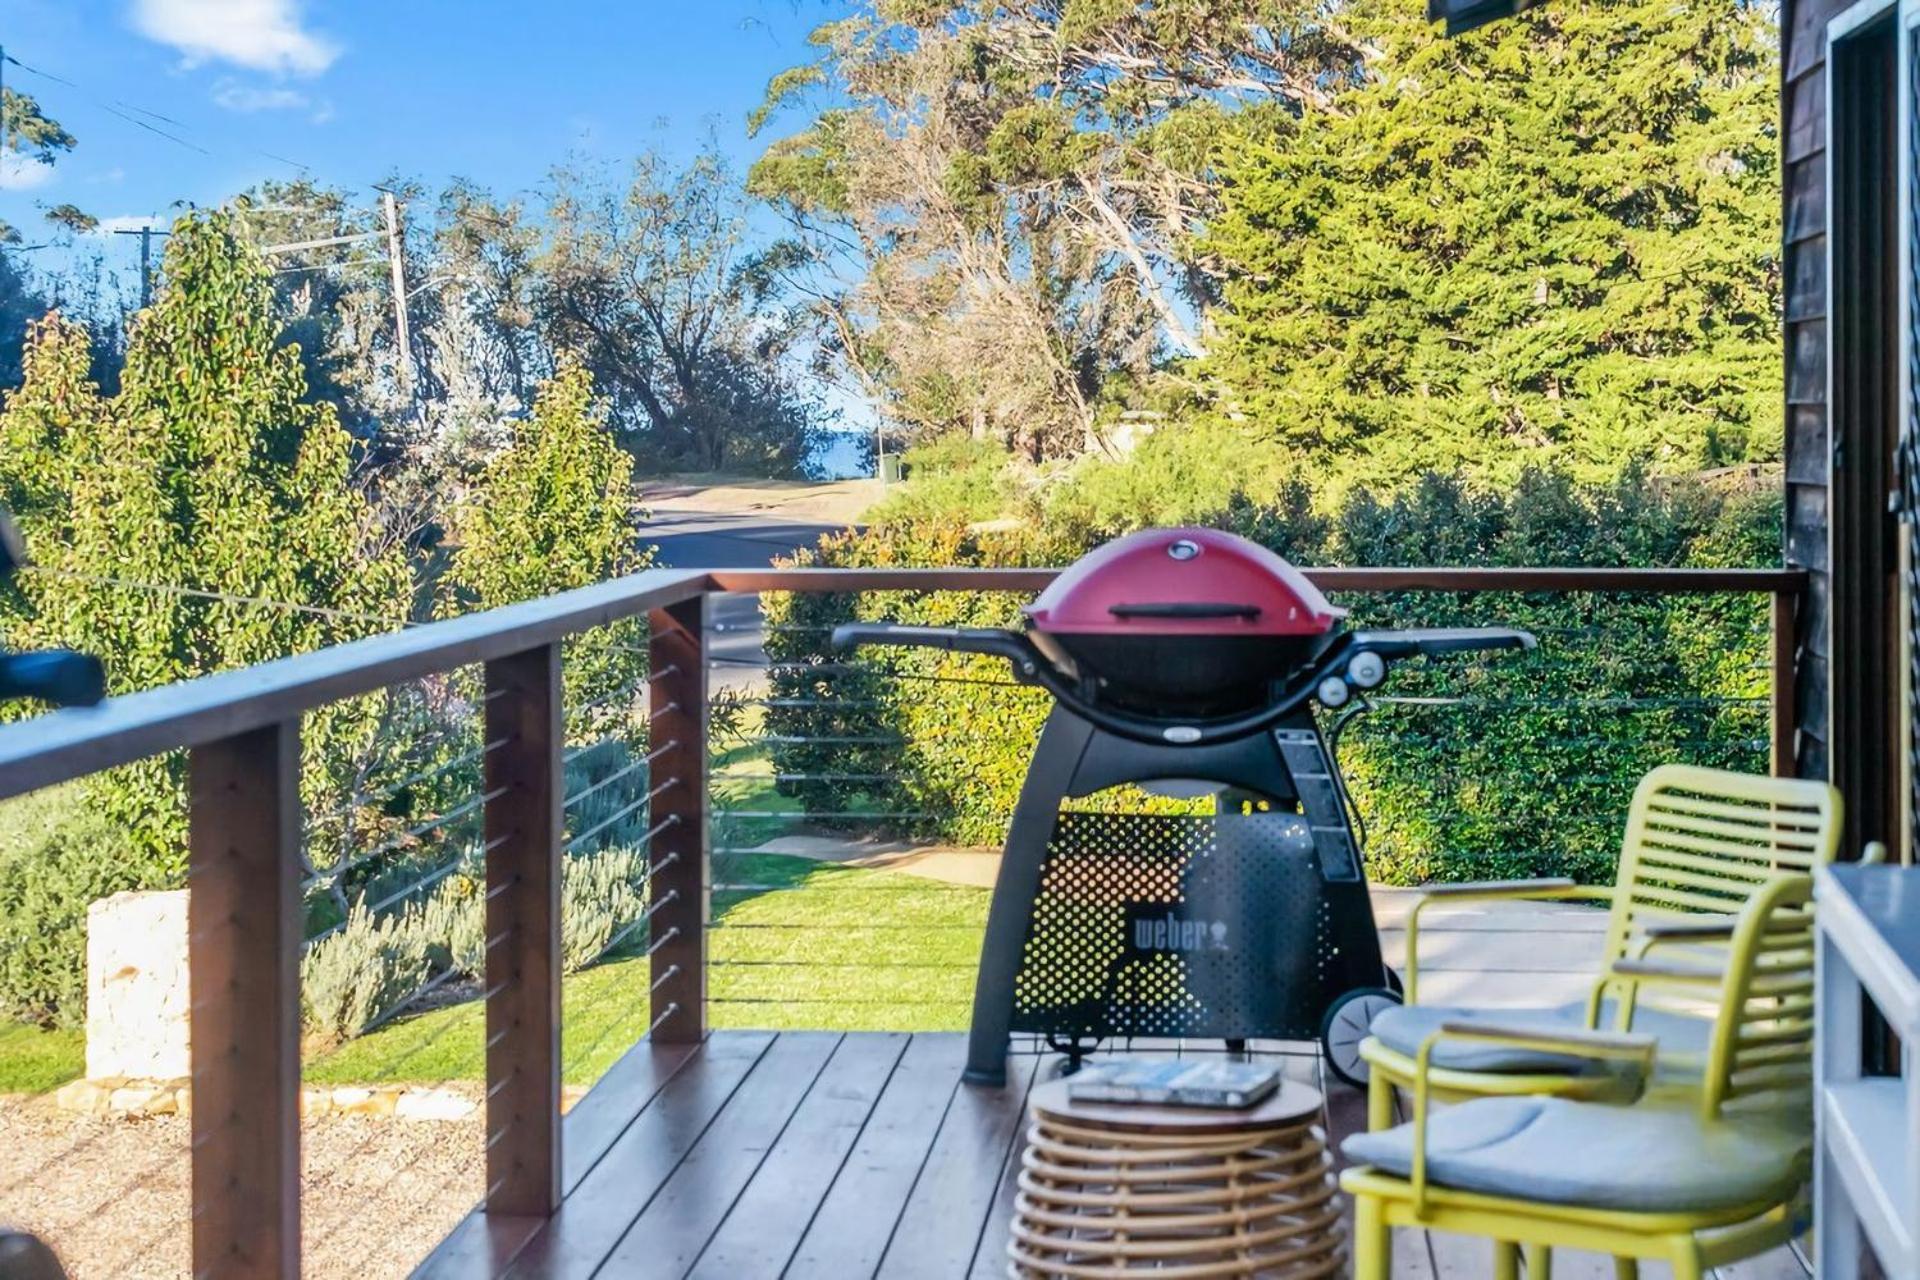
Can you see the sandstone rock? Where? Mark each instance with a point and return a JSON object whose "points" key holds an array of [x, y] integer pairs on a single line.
{"points": [[142, 1100], [137, 992], [366, 1102], [433, 1104], [88, 1097], [316, 1102]]}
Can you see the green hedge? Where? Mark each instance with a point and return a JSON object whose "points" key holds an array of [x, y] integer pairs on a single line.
{"points": [[1511, 765]]}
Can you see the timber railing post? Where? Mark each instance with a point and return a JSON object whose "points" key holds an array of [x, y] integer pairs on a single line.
{"points": [[243, 926], [1785, 715], [677, 863], [523, 838]]}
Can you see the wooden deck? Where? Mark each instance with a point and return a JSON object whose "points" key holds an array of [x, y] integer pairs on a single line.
{"points": [[827, 1156], [831, 1156]]}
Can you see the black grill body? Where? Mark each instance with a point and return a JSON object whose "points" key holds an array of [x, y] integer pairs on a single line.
{"points": [[1244, 925]]}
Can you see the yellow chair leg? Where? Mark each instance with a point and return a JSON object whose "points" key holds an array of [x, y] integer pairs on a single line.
{"points": [[1506, 1261], [1539, 1262], [1379, 1101], [1372, 1241], [1626, 1269]]}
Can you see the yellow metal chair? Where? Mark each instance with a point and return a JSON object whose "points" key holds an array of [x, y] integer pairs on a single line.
{"points": [[1699, 1174], [1698, 843]]}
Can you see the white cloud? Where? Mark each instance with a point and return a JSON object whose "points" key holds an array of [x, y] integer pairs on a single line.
{"points": [[22, 173], [234, 96], [264, 35]]}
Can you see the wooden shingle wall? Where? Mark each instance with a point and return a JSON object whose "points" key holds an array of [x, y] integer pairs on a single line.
{"points": [[1803, 107]]}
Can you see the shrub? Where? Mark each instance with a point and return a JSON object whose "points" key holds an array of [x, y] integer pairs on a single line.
{"points": [[373, 964], [57, 855], [366, 968], [1516, 765]]}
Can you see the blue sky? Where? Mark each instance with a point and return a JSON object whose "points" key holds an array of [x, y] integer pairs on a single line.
{"points": [[493, 90]]}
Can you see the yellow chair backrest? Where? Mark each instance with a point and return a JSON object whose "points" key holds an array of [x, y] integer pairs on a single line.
{"points": [[1762, 1042], [1702, 841]]}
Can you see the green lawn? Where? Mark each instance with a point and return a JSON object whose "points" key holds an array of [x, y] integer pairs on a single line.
{"points": [[810, 945], [796, 944], [34, 1061]]}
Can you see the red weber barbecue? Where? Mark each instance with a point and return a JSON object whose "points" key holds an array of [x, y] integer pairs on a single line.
{"points": [[1183, 657]]}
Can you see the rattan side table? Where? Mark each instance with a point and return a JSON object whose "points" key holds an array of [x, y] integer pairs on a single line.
{"points": [[1110, 1192]]}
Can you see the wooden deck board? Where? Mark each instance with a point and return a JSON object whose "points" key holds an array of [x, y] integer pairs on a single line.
{"points": [[598, 1211], [945, 1215], [808, 1155], [772, 1214], [850, 1233], [673, 1229]]}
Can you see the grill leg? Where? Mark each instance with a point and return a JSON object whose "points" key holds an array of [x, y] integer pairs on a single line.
{"points": [[1055, 761]]}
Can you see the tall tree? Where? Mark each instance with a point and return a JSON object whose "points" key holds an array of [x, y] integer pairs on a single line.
{"points": [[204, 518], [1555, 238], [552, 511], [654, 282], [1000, 198]]}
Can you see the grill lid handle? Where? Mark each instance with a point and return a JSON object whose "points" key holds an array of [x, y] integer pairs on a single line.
{"points": [[1186, 609], [1438, 640]]}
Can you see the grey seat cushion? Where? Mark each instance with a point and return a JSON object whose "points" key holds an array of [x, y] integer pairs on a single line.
{"points": [[1404, 1028], [1639, 1158]]}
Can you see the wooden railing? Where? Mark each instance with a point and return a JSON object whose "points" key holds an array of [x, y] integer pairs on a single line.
{"points": [[241, 730]]}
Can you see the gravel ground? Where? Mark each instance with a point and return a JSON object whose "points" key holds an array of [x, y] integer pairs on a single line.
{"points": [[111, 1195]]}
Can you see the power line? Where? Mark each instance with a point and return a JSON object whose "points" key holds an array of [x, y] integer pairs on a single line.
{"points": [[120, 108]]}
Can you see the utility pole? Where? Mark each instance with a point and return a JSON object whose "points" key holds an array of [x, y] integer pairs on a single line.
{"points": [[396, 262], [146, 234]]}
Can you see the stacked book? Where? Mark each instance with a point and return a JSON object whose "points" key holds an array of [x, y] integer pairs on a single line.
{"points": [[1175, 1082]]}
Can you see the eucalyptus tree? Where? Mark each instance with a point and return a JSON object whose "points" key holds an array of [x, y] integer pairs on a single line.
{"points": [[999, 200]]}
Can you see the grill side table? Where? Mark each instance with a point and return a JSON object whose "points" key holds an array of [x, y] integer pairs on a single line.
{"points": [[1111, 1191]]}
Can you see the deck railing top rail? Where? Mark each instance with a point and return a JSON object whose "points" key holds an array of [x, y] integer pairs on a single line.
{"points": [[70, 744]]}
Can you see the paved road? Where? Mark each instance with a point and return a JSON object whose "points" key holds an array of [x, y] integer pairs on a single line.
{"points": [[687, 539]]}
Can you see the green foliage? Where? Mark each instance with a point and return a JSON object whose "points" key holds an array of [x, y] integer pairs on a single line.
{"points": [[553, 511], [1554, 241], [29, 130], [373, 964], [354, 976], [57, 855], [953, 478], [208, 477], [1515, 765]]}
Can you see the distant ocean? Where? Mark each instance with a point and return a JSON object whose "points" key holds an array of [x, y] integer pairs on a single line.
{"points": [[840, 456]]}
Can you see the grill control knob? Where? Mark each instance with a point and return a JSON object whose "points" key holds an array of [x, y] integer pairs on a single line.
{"points": [[1367, 670], [1333, 692]]}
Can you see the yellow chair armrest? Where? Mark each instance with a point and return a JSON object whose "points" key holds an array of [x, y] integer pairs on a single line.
{"points": [[1552, 889], [1543, 887]]}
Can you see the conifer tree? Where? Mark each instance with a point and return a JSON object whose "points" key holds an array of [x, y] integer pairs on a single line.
{"points": [[1554, 239], [553, 511]]}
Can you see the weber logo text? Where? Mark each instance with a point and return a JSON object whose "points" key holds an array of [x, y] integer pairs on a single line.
{"points": [[1171, 933]]}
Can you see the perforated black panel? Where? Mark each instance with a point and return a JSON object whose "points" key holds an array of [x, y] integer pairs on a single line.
{"points": [[1224, 927]]}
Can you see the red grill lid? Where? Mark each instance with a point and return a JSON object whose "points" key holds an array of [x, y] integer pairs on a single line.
{"points": [[1183, 581]]}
